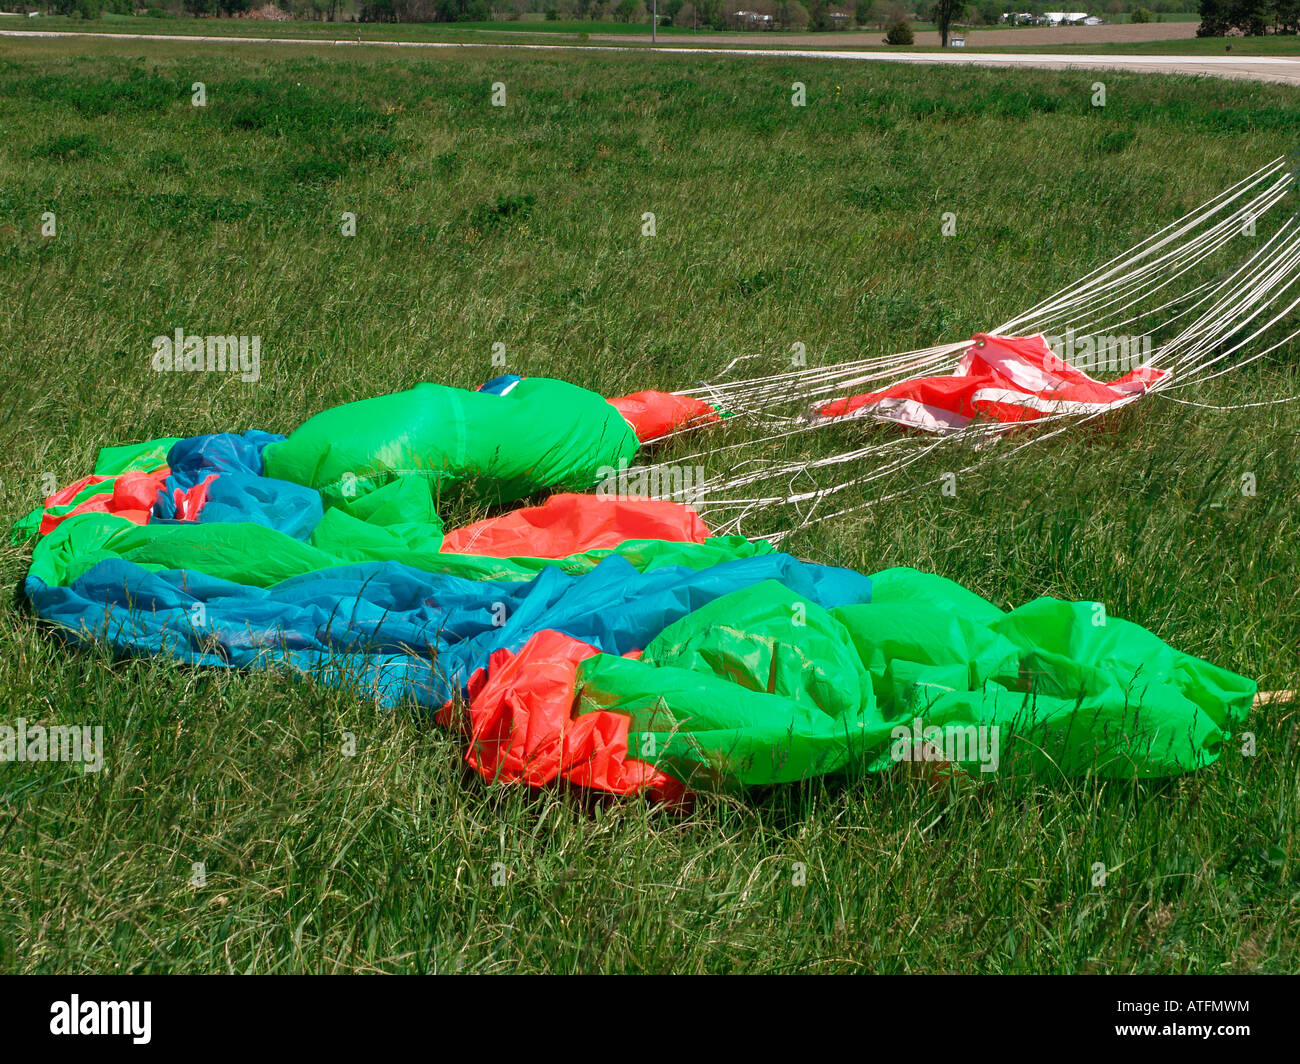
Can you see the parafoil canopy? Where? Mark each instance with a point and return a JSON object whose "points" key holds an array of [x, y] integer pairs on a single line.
{"points": [[608, 641]]}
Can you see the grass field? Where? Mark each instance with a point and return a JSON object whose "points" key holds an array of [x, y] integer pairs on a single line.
{"points": [[775, 225]]}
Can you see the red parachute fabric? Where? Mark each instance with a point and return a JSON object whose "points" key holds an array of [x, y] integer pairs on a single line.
{"points": [[190, 503], [523, 728], [655, 414], [132, 496], [1002, 378], [568, 524]]}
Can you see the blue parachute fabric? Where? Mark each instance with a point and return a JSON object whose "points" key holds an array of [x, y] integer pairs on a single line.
{"points": [[500, 385], [288, 508], [191, 460], [239, 492], [406, 632]]}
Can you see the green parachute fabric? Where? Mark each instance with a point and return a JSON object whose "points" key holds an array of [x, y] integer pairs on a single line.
{"points": [[496, 447], [763, 686]]}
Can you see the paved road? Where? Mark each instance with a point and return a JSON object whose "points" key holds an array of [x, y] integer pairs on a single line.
{"points": [[1256, 68], [1030, 38]]}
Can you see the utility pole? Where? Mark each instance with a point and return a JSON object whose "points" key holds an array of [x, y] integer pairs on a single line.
{"points": [[654, 21]]}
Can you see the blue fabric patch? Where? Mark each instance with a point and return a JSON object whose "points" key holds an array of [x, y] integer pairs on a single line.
{"points": [[500, 385], [240, 492], [397, 631]]}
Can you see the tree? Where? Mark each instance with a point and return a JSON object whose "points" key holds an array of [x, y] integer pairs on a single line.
{"points": [[793, 15], [942, 15], [900, 33], [709, 14], [1214, 19], [686, 16], [884, 13], [1249, 16], [79, 8]]}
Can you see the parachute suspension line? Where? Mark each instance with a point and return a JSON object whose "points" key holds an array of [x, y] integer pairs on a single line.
{"points": [[1150, 265], [1256, 293], [1148, 280], [780, 535], [1124, 263], [1233, 406], [1141, 286], [1152, 288]]}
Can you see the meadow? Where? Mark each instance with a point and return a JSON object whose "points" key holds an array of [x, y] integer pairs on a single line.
{"points": [[228, 833]]}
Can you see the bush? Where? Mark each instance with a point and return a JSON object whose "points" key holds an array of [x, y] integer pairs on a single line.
{"points": [[78, 8], [900, 33], [1139, 14]]}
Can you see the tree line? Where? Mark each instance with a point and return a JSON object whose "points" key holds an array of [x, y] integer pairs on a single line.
{"points": [[1251, 17], [819, 15]]}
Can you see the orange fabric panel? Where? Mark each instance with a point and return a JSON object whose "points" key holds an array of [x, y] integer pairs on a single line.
{"points": [[568, 524], [655, 414], [523, 728]]}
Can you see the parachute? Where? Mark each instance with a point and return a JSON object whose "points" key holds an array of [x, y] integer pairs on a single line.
{"points": [[1006, 379], [1207, 295], [613, 643]]}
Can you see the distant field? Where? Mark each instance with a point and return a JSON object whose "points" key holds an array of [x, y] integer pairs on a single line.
{"points": [[775, 224], [1174, 36], [1176, 39]]}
